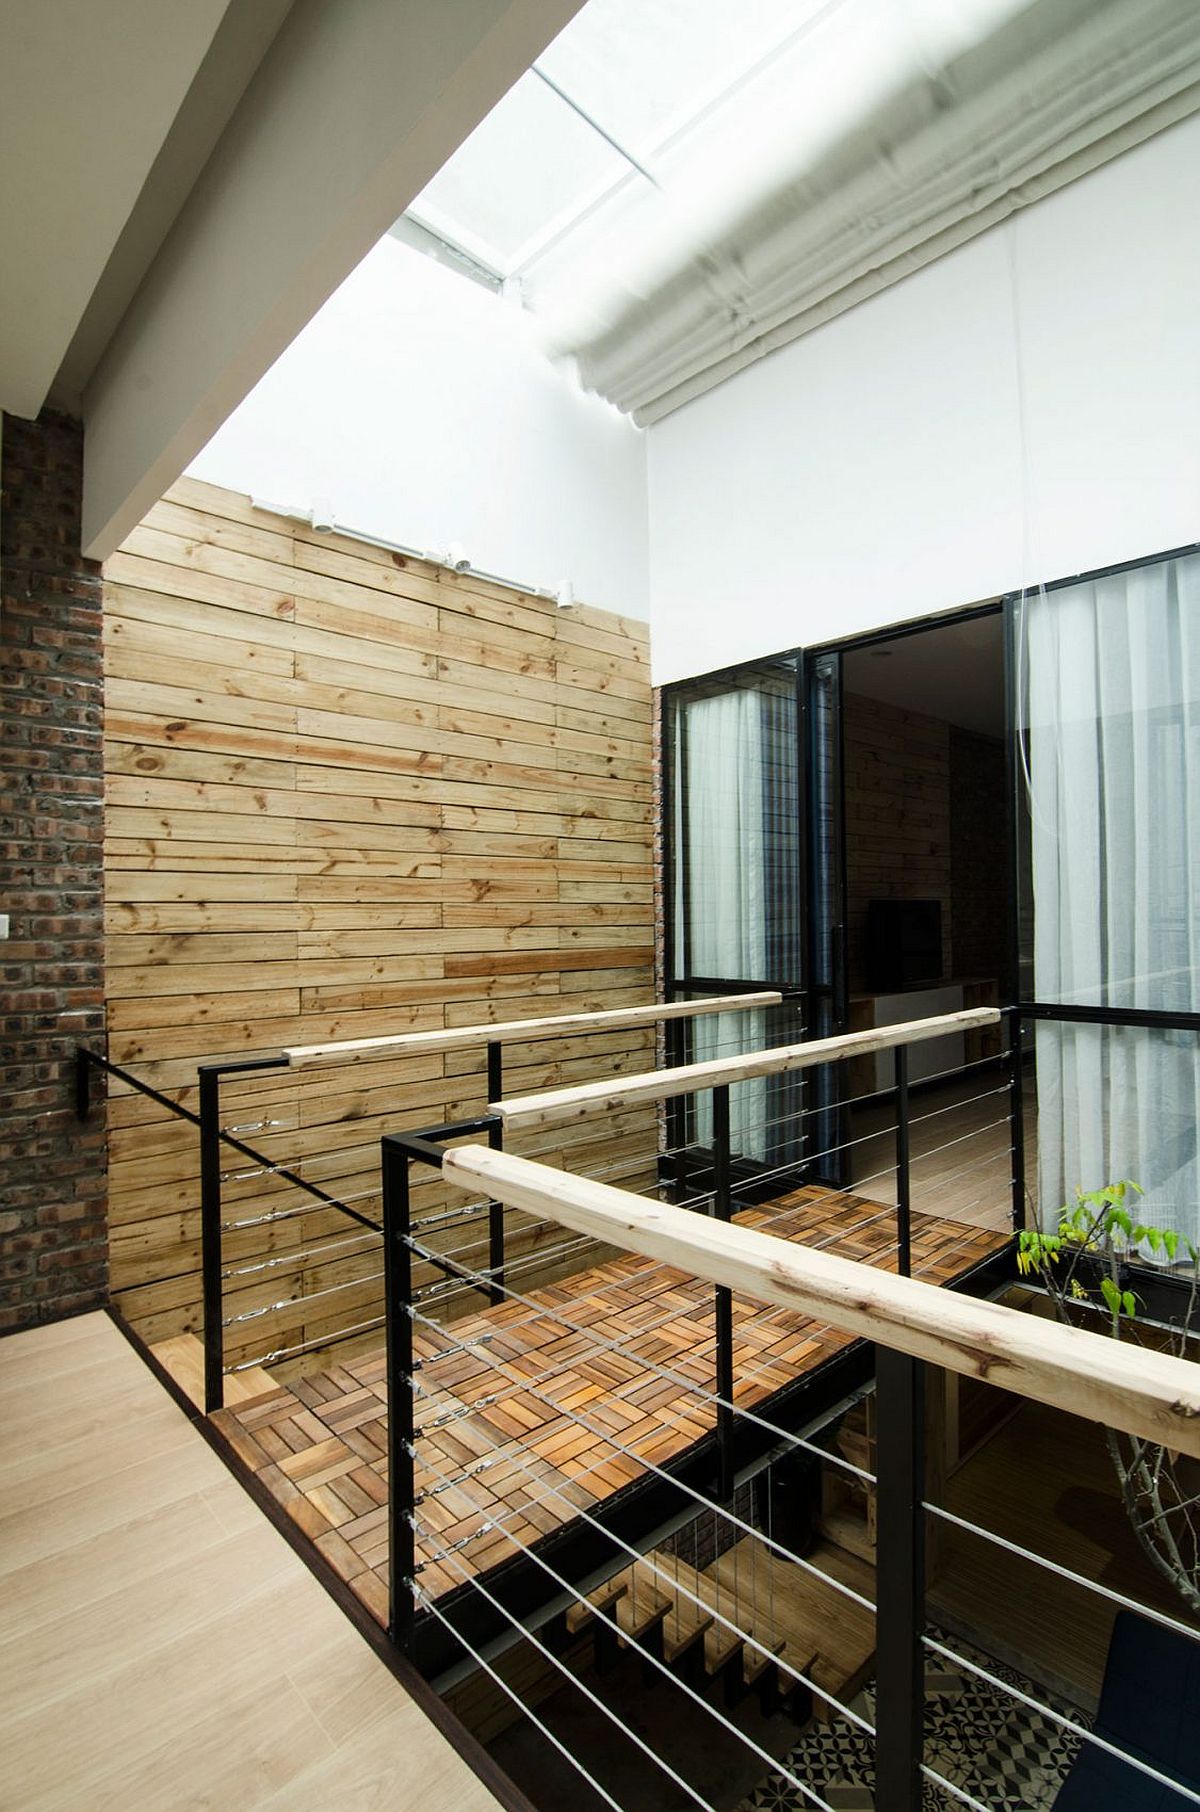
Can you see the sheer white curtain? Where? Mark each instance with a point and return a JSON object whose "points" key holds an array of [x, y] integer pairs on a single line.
{"points": [[725, 839], [1114, 800]]}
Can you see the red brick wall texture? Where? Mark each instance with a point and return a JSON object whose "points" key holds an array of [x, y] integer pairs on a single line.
{"points": [[53, 1235]]}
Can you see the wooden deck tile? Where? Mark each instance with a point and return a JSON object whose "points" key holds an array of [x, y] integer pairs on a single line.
{"points": [[563, 1419]]}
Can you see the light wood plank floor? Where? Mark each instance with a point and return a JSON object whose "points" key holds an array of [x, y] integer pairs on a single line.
{"points": [[960, 1138], [160, 1643], [537, 1415]]}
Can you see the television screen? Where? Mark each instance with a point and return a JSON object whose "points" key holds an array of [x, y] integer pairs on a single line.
{"points": [[904, 944]]}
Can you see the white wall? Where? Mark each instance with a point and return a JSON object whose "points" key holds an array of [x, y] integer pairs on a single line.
{"points": [[419, 405], [879, 468]]}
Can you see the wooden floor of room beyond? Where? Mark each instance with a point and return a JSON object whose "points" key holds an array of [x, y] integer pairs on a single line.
{"points": [[160, 1643]]}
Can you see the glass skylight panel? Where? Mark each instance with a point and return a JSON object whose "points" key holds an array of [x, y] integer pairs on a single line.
{"points": [[530, 161], [642, 67], [741, 113]]}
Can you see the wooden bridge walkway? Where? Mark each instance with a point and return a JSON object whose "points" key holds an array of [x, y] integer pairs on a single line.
{"points": [[532, 1409]]}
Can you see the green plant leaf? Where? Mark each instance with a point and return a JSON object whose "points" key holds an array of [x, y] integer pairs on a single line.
{"points": [[1111, 1294]]}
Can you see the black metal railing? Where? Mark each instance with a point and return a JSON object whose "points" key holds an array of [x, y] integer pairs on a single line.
{"points": [[464, 1618], [737, 1440], [213, 1138]]}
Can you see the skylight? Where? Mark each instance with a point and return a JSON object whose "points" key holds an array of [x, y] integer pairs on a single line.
{"points": [[642, 71], [677, 187]]}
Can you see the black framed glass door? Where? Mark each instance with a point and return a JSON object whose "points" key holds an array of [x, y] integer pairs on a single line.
{"points": [[735, 920], [826, 968], [754, 818]]}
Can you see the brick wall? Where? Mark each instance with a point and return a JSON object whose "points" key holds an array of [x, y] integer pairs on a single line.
{"points": [[897, 778], [53, 1233]]}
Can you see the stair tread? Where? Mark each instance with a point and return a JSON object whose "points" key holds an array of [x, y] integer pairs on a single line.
{"points": [[580, 1615], [811, 1616], [848, 1531], [644, 1604], [686, 1621], [721, 1644], [755, 1663]]}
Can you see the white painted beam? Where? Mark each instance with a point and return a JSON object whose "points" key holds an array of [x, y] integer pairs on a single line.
{"points": [[354, 108]]}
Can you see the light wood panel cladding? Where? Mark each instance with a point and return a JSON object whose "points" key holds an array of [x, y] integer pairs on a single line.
{"points": [[350, 794]]}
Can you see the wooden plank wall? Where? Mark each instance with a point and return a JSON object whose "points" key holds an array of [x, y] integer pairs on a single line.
{"points": [[349, 793]]}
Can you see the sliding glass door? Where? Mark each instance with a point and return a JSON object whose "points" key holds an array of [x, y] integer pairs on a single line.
{"points": [[735, 893], [756, 893], [827, 1150], [1109, 785]]}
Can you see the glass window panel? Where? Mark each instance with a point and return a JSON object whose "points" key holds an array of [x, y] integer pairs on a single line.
{"points": [[1116, 1103], [639, 65], [734, 831], [735, 858], [765, 1115], [529, 161], [1111, 873], [1109, 677]]}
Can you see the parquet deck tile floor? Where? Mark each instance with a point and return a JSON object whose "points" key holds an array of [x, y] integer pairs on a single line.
{"points": [[524, 1419]]}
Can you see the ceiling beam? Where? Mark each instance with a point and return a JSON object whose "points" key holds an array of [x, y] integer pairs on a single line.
{"points": [[354, 108]]}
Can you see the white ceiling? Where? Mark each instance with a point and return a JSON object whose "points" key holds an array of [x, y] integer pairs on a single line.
{"points": [[954, 671], [96, 98], [704, 182]]}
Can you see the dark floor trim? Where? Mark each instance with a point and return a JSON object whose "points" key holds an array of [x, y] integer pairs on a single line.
{"points": [[457, 1735]]}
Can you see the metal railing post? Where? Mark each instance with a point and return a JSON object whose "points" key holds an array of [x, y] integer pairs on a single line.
{"points": [[903, 1181], [495, 1093], [83, 1083], [398, 1294], [1016, 1083], [210, 1237], [899, 1582], [723, 1299]]}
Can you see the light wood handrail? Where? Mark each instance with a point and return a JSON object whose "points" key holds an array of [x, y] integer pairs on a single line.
{"points": [[615, 1094], [456, 1038], [1145, 1393]]}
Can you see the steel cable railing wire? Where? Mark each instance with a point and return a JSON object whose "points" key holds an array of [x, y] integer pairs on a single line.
{"points": [[298, 1350], [447, 1291], [943, 1650], [294, 1256], [669, 1578], [540, 1312], [648, 1465], [651, 1659], [1061, 1719], [530, 1636], [884, 1131], [300, 1302], [543, 1312], [602, 1171], [423, 1600], [1063, 1572], [266, 1167]]}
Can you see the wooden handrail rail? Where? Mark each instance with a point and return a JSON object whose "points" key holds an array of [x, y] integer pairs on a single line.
{"points": [[615, 1094], [1146, 1393], [455, 1038]]}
